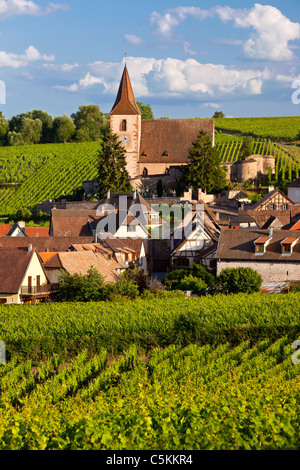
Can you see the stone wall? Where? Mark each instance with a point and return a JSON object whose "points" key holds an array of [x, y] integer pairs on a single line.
{"points": [[270, 271]]}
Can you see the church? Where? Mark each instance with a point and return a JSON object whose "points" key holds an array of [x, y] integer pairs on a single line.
{"points": [[152, 146]]}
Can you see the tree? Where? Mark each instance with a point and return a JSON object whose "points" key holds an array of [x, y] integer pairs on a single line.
{"points": [[234, 280], [112, 172], [174, 279], [24, 130], [82, 288], [204, 170], [246, 148], [63, 129], [192, 283], [89, 122], [4, 128], [159, 188], [146, 110], [47, 123], [218, 114]]}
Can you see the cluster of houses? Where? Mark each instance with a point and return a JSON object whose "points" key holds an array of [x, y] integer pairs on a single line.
{"points": [[123, 230], [126, 230]]}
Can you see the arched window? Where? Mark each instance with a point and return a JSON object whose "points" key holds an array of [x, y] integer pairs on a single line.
{"points": [[145, 172], [124, 125]]}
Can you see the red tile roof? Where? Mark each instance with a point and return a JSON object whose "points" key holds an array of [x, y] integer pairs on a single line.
{"points": [[13, 267], [81, 261], [37, 231], [5, 229], [169, 140], [125, 102]]}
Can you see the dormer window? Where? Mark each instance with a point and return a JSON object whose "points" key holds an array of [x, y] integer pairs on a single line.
{"points": [[124, 125], [165, 154], [261, 245], [287, 245]]}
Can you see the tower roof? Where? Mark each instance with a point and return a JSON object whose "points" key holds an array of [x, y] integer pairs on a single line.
{"points": [[125, 102]]}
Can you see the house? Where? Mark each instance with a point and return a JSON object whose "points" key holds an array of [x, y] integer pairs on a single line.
{"points": [[293, 190], [275, 210], [128, 252], [273, 253], [152, 146], [22, 277], [195, 239], [79, 262], [20, 230]]}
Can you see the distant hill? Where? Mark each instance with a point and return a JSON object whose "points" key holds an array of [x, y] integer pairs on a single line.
{"points": [[31, 174]]}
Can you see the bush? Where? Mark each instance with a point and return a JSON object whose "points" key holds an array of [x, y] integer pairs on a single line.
{"points": [[192, 283], [173, 279], [125, 287], [233, 280]]}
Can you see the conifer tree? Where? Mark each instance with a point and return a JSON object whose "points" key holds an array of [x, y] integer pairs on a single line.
{"points": [[204, 170], [112, 172]]}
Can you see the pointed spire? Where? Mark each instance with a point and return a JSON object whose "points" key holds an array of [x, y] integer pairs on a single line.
{"points": [[125, 102]]}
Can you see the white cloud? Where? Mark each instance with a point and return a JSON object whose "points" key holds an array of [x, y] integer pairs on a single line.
{"points": [[28, 7], [132, 39], [211, 105], [173, 77], [22, 60], [272, 31], [270, 39], [61, 67]]}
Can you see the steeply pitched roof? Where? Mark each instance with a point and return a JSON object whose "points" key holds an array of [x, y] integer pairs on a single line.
{"points": [[169, 140], [13, 267], [269, 196], [125, 102], [240, 245], [70, 223], [5, 229]]}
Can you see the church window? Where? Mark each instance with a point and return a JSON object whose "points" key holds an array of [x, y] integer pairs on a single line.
{"points": [[124, 125]]}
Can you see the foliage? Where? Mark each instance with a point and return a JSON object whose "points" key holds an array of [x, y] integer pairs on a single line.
{"points": [[146, 110], [112, 174], [63, 129], [125, 287], [173, 279], [82, 288], [204, 170], [192, 283], [89, 122], [233, 280], [24, 214], [246, 148], [218, 115]]}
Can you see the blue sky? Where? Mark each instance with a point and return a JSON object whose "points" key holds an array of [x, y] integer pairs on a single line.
{"points": [[186, 58]]}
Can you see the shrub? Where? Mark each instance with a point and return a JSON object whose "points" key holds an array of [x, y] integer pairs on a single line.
{"points": [[192, 283], [233, 280]]}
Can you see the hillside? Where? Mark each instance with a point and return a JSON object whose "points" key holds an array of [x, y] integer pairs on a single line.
{"points": [[30, 174]]}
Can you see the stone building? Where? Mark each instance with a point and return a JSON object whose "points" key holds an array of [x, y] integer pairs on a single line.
{"points": [[152, 146], [254, 167]]}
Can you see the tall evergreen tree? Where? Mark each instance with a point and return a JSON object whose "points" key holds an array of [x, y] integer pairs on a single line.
{"points": [[204, 170], [112, 172]]}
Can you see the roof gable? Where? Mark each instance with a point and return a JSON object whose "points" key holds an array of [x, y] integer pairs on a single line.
{"points": [[13, 267], [125, 102]]}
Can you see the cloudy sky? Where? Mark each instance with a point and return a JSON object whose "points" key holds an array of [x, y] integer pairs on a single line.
{"points": [[186, 58]]}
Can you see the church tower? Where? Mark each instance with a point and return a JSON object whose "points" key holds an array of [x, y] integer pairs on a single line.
{"points": [[125, 121]]}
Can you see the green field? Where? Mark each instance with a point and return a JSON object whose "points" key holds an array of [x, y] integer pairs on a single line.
{"points": [[44, 172], [274, 128], [168, 374]]}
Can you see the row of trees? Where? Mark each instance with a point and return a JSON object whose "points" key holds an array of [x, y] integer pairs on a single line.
{"points": [[39, 127], [133, 283]]}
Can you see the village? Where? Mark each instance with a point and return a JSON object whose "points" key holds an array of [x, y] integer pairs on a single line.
{"points": [[123, 230]]}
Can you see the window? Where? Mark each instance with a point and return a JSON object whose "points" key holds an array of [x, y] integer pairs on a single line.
{"points": [[272, 207], [259, 248], [286, 249], [145, 172], [124, 125], [285, 207], [131, 228], [109, 256]]}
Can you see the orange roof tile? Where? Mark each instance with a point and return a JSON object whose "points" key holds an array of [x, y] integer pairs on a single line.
{"points": [[5, 229]]}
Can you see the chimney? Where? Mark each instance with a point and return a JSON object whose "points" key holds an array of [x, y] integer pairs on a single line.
{"points": [[29, 248], [271, 230], [22, 224], [134, 195], [108, 194]]}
